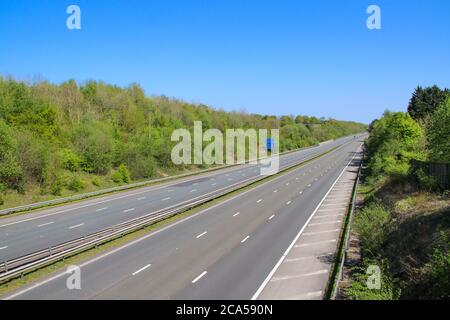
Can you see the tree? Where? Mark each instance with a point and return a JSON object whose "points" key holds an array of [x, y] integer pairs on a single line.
{"points": [[394, 140], [438, 134], [425, 100], [10, 171]]}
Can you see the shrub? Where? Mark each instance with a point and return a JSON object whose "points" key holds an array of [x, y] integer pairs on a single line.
{"points": [[11, 173], [75, 184], [433, 281], [70, 160], [96, 181], [426, 181], [2, 202], [121, 175], [371, 223], [57, 186], [438, 134]]}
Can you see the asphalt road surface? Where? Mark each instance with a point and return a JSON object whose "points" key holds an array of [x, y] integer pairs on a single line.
{"points": [[24, 234], [223, 252]]}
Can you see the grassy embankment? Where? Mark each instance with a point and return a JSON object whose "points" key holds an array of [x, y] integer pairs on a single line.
{"points": [[403, 224]]}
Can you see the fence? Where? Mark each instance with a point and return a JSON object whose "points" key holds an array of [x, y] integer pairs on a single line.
{"points": [[439, 171]]}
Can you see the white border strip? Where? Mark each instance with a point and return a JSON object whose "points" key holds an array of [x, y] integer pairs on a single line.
{"points": [[275, 268]]}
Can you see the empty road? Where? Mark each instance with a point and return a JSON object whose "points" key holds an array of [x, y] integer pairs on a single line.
{"points": [[223, 252], [24, 234]]}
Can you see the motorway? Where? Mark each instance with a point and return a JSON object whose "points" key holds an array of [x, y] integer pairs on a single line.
{"points": [[223, 252], [28, 233]]}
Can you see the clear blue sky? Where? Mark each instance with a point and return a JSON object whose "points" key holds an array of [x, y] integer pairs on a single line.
{"points": [[271, 57]]}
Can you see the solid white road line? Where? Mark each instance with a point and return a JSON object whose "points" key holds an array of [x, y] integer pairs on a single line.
{"points": [[300, 275], [309, 295], [201, 234], [236, 214], [45, 224], [280, 261], [76, 226], [128, 210], [5, 247], [319, 232], [199, 277], [101, 209], [308, 257], [314, 243], [322, 223], [328, 216], [245, 239], [141, 269], [332, 210], [334, 204]]}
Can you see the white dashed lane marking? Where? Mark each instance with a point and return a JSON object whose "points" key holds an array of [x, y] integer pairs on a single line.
{"points": [[141, 269], [45, 224], [201, 234], [76, 226], [199, 277]]}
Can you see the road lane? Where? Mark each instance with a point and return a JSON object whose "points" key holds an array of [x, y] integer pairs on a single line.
{"points": [[234, 269], [28, 233]]}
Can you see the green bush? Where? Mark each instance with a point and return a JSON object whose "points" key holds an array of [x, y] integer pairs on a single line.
{"points": [[394, 140], [371, 225], [121, 175], [11, 173], [70, 160], [2, 202], [425, 181], [96, 181], [57, 186], [75, 184], [438, 134]]}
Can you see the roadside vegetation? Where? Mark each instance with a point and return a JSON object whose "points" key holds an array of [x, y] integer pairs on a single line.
{"points": [[59, 140], [403, 224]]}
